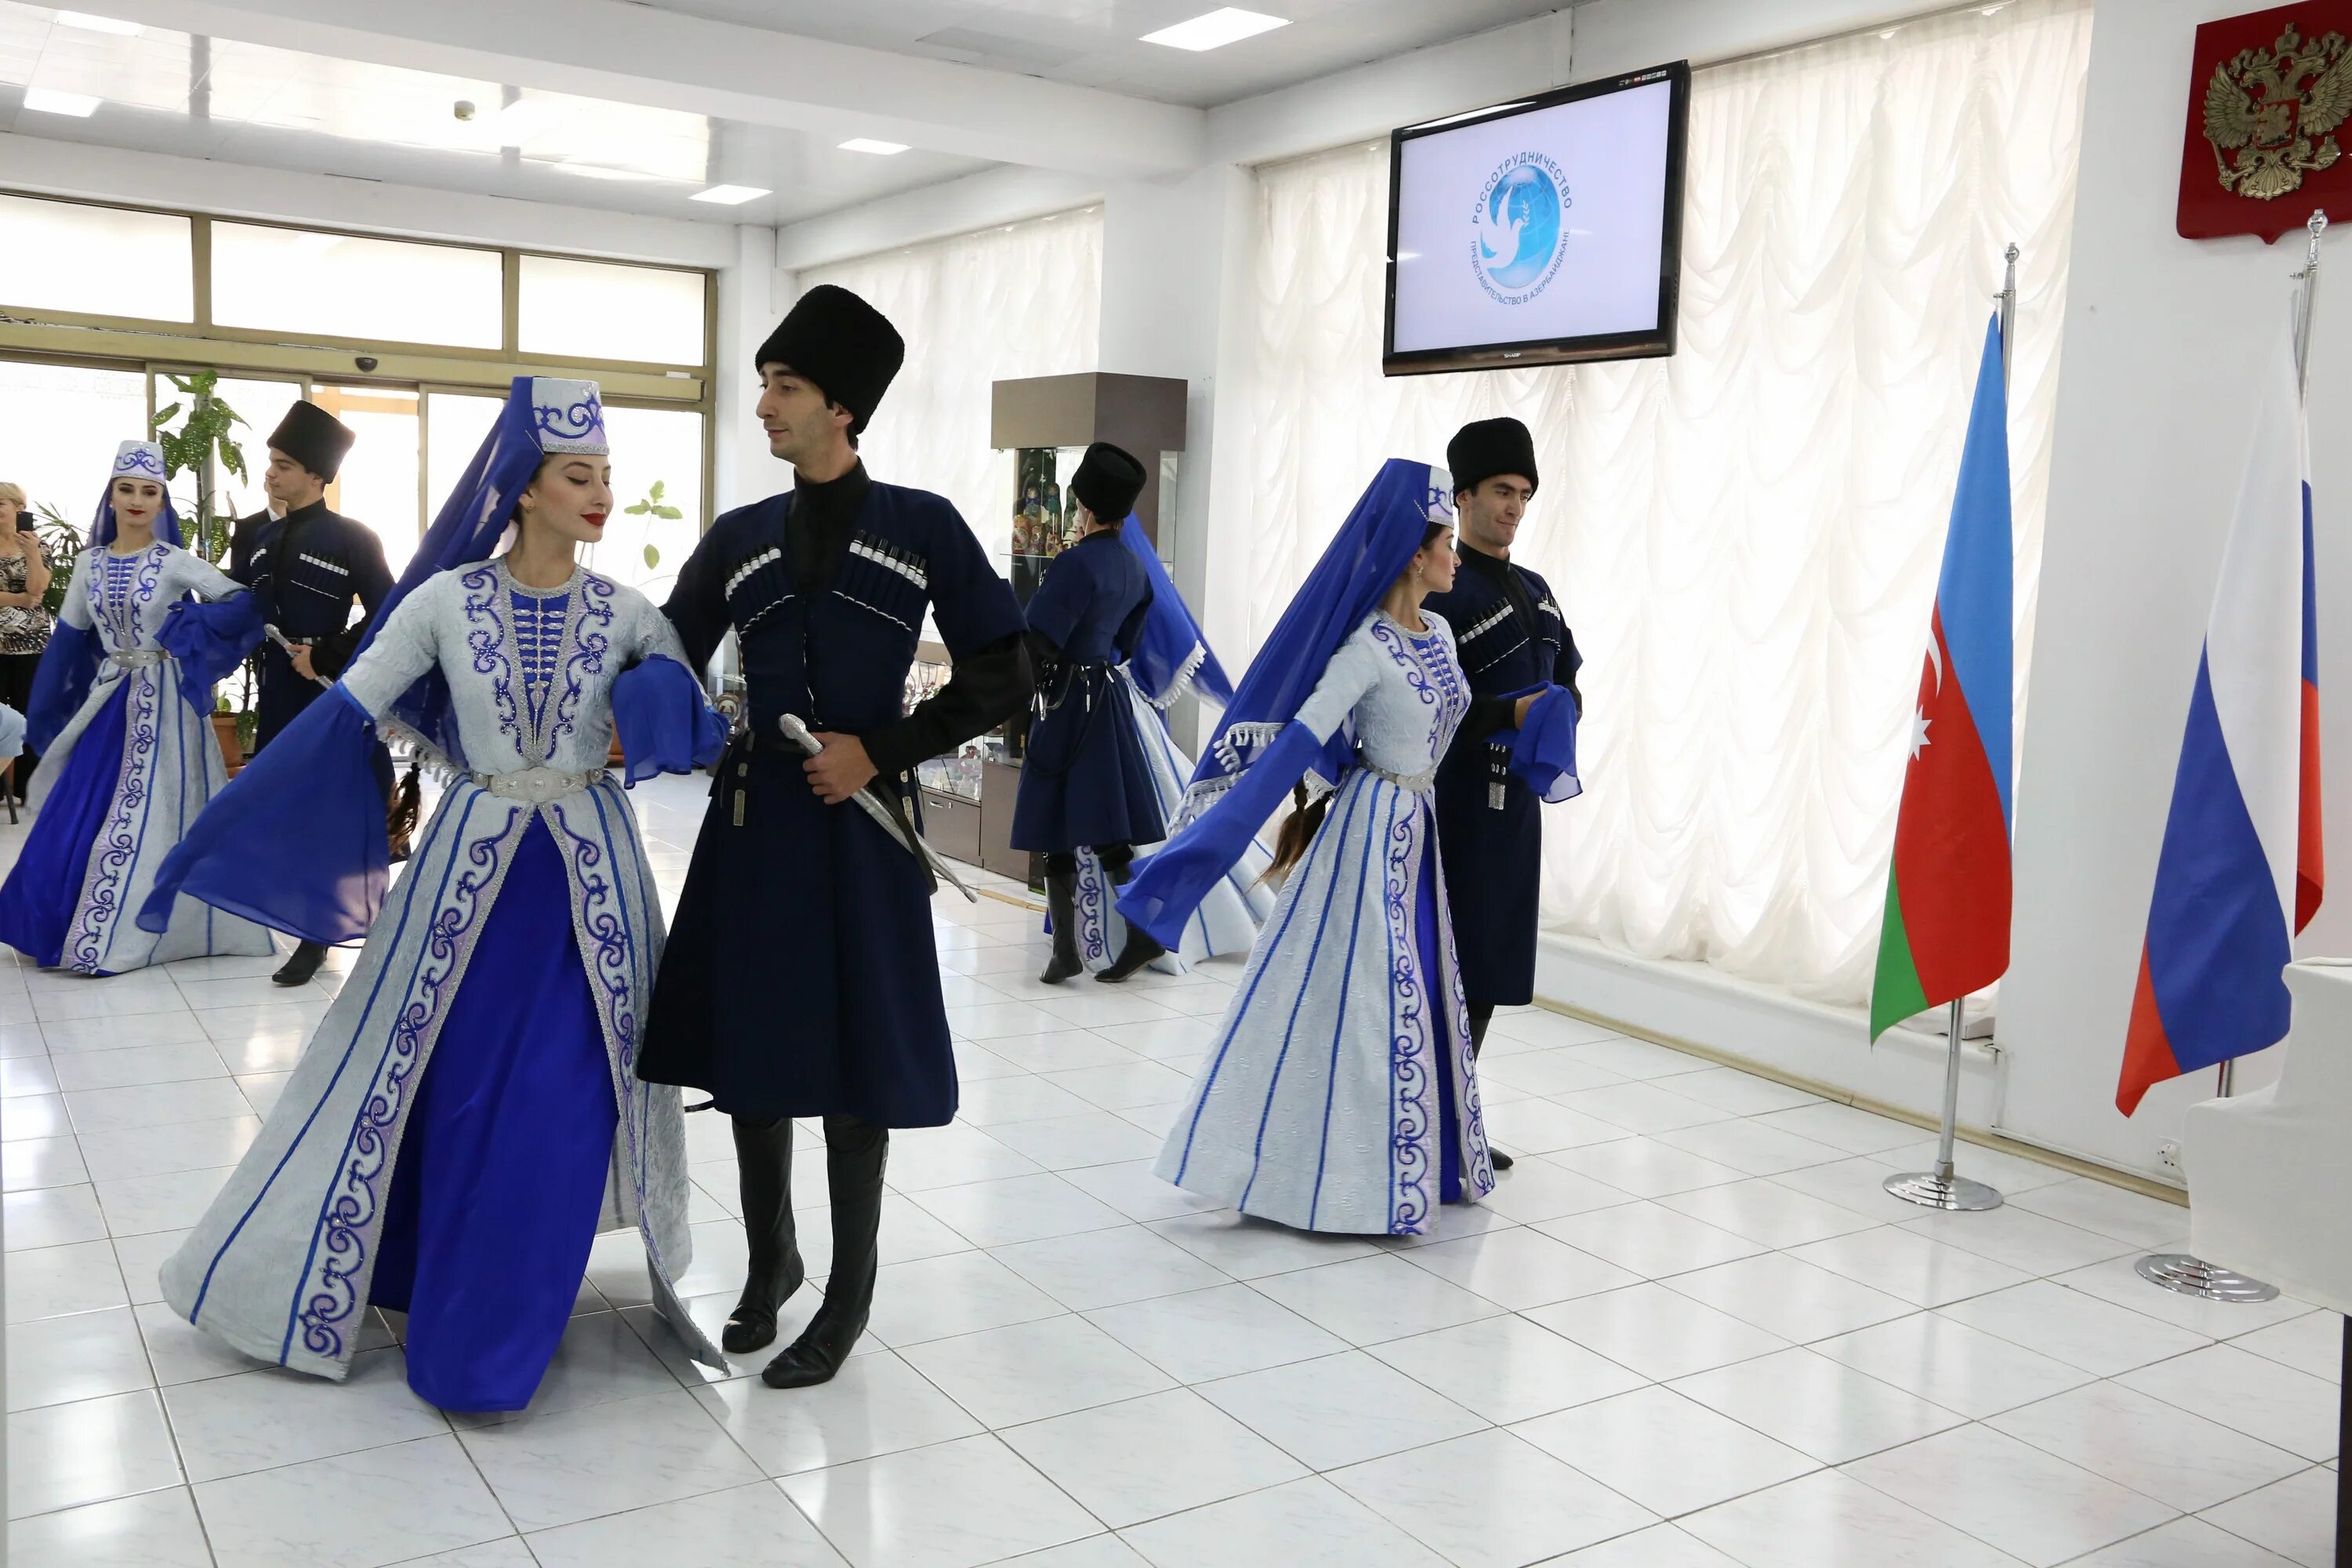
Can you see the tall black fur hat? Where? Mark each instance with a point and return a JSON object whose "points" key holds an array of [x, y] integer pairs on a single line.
{"points": [[314, 438], [1485, 448], [842, 345], [1106, 483]]}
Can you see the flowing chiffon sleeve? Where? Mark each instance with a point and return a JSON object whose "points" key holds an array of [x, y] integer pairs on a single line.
{"points": [[297, 842], [1169, 886], [68, 664], [666, 723]]}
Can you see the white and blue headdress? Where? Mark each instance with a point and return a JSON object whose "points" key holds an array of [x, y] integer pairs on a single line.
{"points": [[569, 417], [543, 418], [135, 460]]}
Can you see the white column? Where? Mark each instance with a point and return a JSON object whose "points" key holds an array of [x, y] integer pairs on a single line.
{"points": [[1174, 294]]}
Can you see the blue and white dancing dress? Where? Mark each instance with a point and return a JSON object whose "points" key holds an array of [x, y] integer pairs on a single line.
{"points": [[122, 713], [468, 1116], [1340, 1093]]}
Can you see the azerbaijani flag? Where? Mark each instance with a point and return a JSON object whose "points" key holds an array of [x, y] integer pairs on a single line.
{"points": [[1947, 929], [2239, 871]]}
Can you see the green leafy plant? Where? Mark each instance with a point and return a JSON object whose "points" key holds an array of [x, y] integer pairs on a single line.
{"points": [[653, 506], [204, 436], [62, 542]]}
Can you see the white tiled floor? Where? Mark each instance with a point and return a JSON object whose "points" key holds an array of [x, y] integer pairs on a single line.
{"points": [[1688, 1331]]}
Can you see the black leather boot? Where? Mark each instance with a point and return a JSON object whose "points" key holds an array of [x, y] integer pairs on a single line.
{"points": [[855, 1153], [1141, 949], [1479, 1018], [1062, 904], [297, 970], [763, 1164]]}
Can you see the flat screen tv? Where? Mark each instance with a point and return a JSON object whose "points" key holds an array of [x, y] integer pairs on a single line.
{"points": [[1542, 231]]}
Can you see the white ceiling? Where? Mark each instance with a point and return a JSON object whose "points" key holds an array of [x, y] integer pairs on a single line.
{"points": [[1097, 43], [172, 92], [251, 103]]}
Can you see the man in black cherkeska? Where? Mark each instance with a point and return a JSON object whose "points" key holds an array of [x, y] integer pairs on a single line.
{"points": [[1511, 638], [801, 977], [307, 567]]}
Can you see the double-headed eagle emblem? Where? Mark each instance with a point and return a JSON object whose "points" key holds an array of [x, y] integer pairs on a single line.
{"points": [[2271, 114]]}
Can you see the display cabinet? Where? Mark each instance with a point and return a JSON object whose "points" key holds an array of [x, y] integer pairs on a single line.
{"points": [[1047, 423]]}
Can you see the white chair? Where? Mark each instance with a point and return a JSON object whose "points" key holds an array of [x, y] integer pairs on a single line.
{"points": [[2268, 1171]]}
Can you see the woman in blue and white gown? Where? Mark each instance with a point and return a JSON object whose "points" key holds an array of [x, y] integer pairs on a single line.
{"points": [[1172, 659], [468, 1115], [121, 713], [1342, 1092]]}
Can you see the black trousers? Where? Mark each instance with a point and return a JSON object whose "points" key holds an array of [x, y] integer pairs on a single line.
{"points": [[1481, 1015], [16, 691], [1116, 859]]}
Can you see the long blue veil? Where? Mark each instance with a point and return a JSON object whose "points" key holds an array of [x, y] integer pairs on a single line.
{"points": [[1260, 750], [1362, 562], [1173, 654]]}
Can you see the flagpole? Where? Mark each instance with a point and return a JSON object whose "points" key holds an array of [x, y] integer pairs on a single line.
{"points": [[2180, 1272], [1943, 1188]]}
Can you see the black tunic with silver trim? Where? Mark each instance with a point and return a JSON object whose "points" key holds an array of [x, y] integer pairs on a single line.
{"points": [[1511, 637], [801, 977]]}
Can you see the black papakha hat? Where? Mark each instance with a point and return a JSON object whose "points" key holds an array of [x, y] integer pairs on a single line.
{"points": [[1485, 448], [1106, 483], [842, 345], [314, 438]]}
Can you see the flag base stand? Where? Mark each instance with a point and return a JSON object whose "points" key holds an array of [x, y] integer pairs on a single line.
{"points": [[1940, 1189], [2186, 1276]]}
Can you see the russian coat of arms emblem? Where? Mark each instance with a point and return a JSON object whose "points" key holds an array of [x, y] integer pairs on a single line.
{"points": [[2270, 117], [2271, 114]]}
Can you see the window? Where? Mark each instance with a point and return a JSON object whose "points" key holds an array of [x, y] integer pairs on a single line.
{"points": [[379, 484], [299, 280], [592, 309], [63, 423], [96, 261], [455, 424], [651, 446]]}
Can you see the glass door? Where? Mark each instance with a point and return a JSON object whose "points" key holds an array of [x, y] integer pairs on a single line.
{"points": [[383, 481]]}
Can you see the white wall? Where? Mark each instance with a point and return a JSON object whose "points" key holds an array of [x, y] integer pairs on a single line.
{"points": [[2162, 342]]}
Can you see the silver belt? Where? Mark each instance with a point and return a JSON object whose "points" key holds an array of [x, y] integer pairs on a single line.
{"points": [[1421, 783], [538, 785], [138, 657]]}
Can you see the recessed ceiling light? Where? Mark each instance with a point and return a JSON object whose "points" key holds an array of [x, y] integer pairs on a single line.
{"points": [[867, 144], [90, 24], [728, 196], [1230, 24], [41, 99]]}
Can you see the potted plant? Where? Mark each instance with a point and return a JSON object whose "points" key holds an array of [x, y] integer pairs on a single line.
{"points": [[204, 436]]}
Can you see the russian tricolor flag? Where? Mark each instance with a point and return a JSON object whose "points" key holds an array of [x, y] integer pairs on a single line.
{"points": [[2239, 871]]}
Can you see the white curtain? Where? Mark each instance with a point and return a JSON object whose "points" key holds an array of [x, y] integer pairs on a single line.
{"points": [[1018, 300], [1745, 536]]}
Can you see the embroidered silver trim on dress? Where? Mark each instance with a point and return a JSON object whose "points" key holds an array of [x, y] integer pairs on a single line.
{"points": [[1421, 782], [1182, 681], [537, 785], [138, 658]]}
